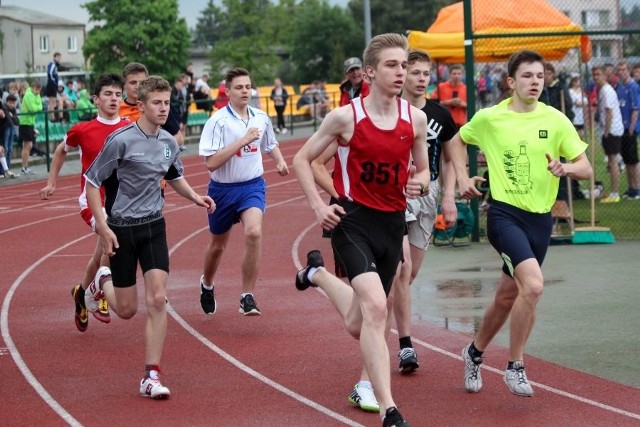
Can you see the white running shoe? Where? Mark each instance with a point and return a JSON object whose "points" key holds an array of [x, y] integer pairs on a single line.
{"points": [[94, 294], [363, 396], [153, 389], [472, 376], [516, 380]]}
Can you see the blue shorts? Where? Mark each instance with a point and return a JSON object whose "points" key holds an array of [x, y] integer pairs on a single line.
{"points": [[232, 199], [518, 235]]}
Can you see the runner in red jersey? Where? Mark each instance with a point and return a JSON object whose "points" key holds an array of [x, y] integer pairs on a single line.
{"points": [[368, 221], [89, 137]]}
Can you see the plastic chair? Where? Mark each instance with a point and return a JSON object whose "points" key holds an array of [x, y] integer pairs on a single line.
{"points": [[460, 233]]}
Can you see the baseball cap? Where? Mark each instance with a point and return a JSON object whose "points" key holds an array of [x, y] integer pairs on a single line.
{"points": [[352, 63]]}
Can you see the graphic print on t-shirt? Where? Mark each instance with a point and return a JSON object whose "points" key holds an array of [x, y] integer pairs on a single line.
{"points": [[518, 170]]}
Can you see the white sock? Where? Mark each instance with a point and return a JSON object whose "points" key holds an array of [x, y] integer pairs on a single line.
{"points": [[311, 272], [208, 288], [244, 294], [3, 162]]}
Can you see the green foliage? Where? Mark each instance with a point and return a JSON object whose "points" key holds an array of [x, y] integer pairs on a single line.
{"points": [[129, 30], [322, 37], [398, 16], [631, 21]]}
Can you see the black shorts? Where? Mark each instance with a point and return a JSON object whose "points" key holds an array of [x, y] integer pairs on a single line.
{"points": [[51, 91], [146, 243], [368, 240], [629, 148], [611, 144], [26, 133], [518, 235]]}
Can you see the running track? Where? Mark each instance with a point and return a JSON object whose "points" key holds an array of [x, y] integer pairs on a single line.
{"points": [[294, 365]]}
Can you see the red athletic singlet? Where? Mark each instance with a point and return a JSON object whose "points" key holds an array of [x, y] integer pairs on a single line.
{"points": [[372, 168]]}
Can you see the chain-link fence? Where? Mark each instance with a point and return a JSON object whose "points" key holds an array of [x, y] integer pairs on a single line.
{"points": [[574, 36]]}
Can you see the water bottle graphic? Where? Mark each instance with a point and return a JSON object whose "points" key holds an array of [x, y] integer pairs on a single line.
{"points": [[523, 167]]}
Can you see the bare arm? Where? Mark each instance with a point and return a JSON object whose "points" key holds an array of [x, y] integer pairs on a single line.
{"points": [[321, 175], [418, 183], [182, 187], [579, 168], [59, 156], [337, 123], [281, 164], [458, 156], [448, 178], [108, 240]]}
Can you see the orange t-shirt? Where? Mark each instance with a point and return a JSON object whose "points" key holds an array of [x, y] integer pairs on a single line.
{"points": [[447, 91], [129, 111]]}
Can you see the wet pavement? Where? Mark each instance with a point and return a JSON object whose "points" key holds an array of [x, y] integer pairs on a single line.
{"points": [[588, 316]]}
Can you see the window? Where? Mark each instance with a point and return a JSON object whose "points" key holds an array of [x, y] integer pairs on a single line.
{"points": [[72, 44], [44, 43], [596, 18]]}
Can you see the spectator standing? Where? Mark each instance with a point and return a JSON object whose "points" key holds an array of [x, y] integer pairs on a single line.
{"points": [[612, 130], [355, 85], [531, 136], [628, 93], [202, 94], [222, 99], [279, 96], [12, 121], [232, 141], [53, 79], [453, 95], [579, 102], [636, 72], [31, 106]]}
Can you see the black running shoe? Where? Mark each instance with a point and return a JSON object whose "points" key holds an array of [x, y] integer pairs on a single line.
{"points": [[392, 418], [207, 301], [248, 306], [81, 316], [314, 259], [408, 360]]}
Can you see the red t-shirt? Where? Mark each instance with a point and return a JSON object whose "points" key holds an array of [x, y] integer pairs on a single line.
{"points": [[372, 168], [89, 137]]}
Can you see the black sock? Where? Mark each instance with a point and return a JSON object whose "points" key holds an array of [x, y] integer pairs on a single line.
{"points": [[474, 352], [405, 342]]}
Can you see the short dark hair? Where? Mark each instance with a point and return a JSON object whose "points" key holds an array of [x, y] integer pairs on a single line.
{"points": [[108, 79], [520, 57], [11, 97], [133, 68], [233, 73]]}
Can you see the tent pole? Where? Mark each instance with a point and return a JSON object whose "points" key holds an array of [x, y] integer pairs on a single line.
{"points": [[471, 106]]}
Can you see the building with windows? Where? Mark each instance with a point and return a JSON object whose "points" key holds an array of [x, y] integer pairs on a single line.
{"points": [[600, 15], [31, 38]]}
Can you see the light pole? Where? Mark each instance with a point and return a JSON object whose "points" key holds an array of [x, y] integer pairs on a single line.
{"points": [[367, 22]]}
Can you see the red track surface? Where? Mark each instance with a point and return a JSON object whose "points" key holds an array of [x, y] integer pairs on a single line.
{"points": [[294, 365]]}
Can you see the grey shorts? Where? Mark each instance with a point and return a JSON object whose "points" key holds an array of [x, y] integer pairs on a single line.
{"points": [[424, 212]]}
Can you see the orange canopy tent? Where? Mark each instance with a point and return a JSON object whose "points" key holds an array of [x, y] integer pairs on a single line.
{"points": [[444, 40]]}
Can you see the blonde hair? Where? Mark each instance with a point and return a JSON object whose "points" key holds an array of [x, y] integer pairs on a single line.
{"points": [[371, 55], [152, 84]]}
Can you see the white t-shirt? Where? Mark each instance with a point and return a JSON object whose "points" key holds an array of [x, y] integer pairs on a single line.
{"points": [[578, 102], [608, 99], [224, 128]]}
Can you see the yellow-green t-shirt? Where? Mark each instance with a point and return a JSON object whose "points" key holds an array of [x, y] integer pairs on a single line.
{"points": [[515, 145]]}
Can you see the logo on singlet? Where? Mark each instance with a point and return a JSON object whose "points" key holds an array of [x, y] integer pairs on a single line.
{"points": [[167, 152], [543, 134]]}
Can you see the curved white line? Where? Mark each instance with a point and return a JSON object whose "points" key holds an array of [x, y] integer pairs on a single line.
{"points": [[13, 350], [298, 264]]}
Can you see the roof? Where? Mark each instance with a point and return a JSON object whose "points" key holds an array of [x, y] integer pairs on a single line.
{"points": [[35, 18]]}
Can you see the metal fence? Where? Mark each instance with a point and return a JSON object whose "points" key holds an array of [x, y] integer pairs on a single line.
{"points": [[573, 36]]}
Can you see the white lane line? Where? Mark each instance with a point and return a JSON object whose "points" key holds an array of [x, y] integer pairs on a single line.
{"points": [[238, 364], [298, 264], [13, 350]]}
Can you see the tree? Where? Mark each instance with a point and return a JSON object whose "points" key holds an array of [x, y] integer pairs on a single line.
{"points": [[630, 21], [129, 30], [207, 31], [322, 37], [398, 16], [242, 38]]}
